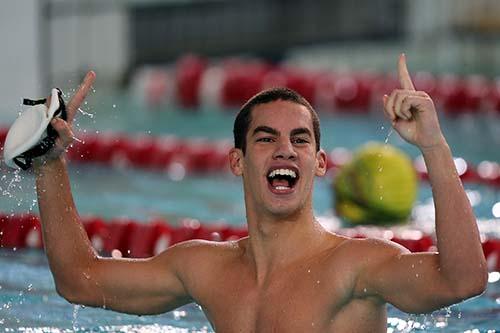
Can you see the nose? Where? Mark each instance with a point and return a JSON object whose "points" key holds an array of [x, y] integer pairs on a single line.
{"points": [[284, 150]]}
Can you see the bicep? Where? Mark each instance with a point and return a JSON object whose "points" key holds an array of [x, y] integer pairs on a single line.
{"points": [[410, 281], [138, 286]]}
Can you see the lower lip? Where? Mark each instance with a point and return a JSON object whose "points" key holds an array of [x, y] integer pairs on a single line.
{"points": [[274, 190]]}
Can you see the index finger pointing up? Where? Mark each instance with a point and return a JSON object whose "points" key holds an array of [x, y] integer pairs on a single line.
{"points": [[80, 95], [404, 76]]}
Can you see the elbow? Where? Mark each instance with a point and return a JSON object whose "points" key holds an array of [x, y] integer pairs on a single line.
{"points": [[74, 290], [68, 292], [481, 282], [474, 285], [74, 284]]}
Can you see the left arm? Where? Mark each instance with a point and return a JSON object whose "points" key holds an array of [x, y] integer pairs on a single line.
{"points": [[423, 282]]}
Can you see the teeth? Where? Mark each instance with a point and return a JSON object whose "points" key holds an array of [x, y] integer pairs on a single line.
{"points": [[283, 172], [282, 187]]}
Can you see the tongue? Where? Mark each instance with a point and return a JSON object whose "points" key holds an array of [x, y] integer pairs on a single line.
{"points": [[280, 182]]}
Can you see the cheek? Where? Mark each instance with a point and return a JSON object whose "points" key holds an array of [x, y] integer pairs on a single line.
{"points": [[251, 170]]}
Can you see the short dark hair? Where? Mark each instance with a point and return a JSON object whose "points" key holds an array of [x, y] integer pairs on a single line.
{"points": [[244, 116]]}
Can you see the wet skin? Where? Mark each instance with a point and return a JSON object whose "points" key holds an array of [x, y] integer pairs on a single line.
{"points": [[290, 274], [314, 293]]}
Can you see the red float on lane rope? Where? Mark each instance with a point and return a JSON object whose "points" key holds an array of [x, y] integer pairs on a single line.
{"points": [[20, 231], [141, 240]]}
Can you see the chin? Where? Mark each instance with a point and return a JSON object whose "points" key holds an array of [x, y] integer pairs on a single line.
{"points": [[284, 211]]}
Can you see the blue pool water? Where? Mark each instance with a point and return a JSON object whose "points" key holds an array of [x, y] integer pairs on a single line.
{"points": [[28, 301]]}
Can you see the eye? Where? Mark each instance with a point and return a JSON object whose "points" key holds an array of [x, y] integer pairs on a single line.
{"points": [[299, 140], [264, 139]]}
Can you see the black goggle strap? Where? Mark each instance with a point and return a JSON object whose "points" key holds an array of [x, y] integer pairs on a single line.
{"points": [[25, 160], [32, 102]]}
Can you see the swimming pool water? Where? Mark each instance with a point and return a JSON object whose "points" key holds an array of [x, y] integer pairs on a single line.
{"points": [[28, 301]]}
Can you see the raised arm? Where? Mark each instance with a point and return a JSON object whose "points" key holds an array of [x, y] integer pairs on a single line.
{"points": [[134, 286], [428, 281]]}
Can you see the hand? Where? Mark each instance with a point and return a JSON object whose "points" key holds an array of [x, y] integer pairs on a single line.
{"points": [[64, 128], [412, 113]]}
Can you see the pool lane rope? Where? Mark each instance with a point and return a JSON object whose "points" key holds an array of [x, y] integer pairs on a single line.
{"points": [[140, 239], [129, 238], [194, 82], [190, 156]]}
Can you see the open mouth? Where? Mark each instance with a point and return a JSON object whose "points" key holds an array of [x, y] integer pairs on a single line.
{"points": [[282, 179]]}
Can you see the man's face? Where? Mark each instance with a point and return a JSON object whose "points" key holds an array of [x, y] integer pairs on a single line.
{"points": [[281, 161]]}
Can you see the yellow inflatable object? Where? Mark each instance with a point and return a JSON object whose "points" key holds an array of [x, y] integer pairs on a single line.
{"points": [[378, 186]]}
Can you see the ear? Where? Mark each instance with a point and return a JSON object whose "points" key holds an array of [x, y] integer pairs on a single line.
{"points": [[321, 163], [236, 161]]}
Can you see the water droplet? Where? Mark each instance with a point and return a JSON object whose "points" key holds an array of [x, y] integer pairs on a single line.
{"points": [[178, 315], [75, 316], [388, 135], [85, 113]]}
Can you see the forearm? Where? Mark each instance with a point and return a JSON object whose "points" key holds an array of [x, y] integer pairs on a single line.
{"points": [[460, 252], [66, 243]]}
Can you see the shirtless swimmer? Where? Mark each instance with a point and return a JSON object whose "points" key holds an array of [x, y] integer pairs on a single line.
{"points": [[290, 274]]}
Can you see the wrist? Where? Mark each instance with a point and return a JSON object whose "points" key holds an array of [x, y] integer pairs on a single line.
{"points": [[440, 146], [45, 162]]}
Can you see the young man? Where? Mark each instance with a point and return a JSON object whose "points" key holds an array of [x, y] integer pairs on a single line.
{"points": [[290, 274]]}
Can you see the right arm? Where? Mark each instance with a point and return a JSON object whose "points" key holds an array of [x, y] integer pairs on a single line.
{"points": [[140, 286]]}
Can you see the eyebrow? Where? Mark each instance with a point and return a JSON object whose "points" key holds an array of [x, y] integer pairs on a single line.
{"points": [[300, 130], [265, 129], [272, 131]]}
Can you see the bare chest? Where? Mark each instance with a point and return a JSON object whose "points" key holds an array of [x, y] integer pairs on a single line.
{"points": [[302, 300]]}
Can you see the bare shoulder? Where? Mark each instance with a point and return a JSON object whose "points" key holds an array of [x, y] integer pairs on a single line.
{"points": [[350, 260], [378, 246], [366, 251], [199, 256], [196, 250], [200, 263]]}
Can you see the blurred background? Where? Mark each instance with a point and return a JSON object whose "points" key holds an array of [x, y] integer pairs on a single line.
{"points": [[153, 136], [56, 41], [177, 67]]}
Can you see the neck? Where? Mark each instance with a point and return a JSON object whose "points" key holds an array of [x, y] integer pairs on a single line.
{"points": [[277, 241]]}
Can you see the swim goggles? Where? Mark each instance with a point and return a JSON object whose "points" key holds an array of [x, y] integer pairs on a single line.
{"points": [[31, 135]]}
